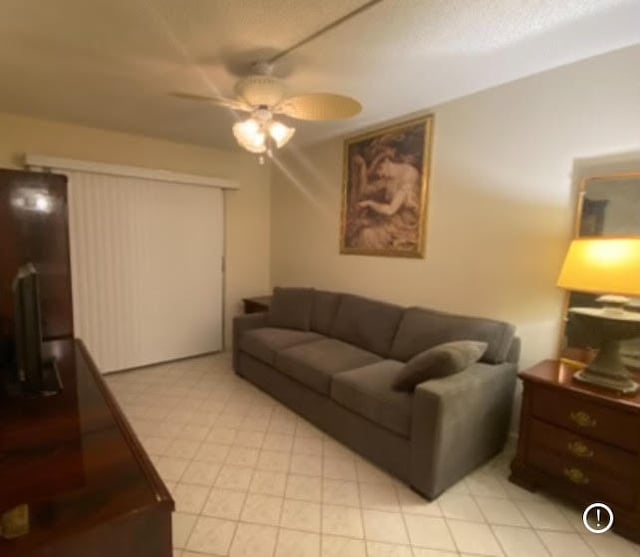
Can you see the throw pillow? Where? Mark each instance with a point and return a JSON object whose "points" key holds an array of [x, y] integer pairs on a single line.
{"points": [[439, 361], [291, 308]]}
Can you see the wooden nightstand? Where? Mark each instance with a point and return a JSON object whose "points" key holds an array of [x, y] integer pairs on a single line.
{"points": [[257, 304], [580, 442]]}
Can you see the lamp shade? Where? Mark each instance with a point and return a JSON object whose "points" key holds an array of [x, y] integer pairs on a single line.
{"points": [[249, 134], [280, 133], [602, 266]]}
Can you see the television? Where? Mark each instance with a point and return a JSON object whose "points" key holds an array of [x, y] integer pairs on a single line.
{"points": [[34, 373]]}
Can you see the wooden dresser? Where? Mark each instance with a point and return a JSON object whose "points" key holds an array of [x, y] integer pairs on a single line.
{"points": [[74, 461], [580, 442], [258, 304]]}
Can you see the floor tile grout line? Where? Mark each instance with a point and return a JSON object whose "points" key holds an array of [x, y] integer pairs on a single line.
{"points": [[536, 533], [213, 485], [500, 544], [275, 546], [322, 483], [549, 550], [396, 490], [453, 539]]}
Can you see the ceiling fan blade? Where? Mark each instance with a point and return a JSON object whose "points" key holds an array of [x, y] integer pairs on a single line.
{"points": [[220, 101], [319, 106]]}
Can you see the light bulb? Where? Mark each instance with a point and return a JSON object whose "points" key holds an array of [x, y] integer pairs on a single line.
{"points": [[249, 134], [42, 203], [280, 133], [252, 134]]}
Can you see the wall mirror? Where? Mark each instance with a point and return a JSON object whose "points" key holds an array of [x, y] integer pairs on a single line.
{"points": [[607, 206]]}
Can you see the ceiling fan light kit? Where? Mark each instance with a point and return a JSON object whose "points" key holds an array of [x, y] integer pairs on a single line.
{"points": [[263, 95], [260, 133], [280, 133]]}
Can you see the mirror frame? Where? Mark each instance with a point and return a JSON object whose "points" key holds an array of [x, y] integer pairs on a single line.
{"points": [[582, 190]]}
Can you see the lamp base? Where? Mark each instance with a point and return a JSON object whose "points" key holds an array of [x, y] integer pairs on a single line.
{"points": [[609, 328], [608, 371]]}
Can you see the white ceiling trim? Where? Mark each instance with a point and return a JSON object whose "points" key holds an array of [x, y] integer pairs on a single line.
{"points": [[46, 163]]}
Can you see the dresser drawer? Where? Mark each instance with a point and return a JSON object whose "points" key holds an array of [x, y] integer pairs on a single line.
{"points": [[581, 451], [599, 422], [600, 485]]}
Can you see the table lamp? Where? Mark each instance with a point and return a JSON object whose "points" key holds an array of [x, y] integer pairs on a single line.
{"points": [[609, 266]]}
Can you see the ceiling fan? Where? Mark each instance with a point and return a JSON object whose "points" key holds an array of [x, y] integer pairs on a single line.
{"points": [[263, 96]]}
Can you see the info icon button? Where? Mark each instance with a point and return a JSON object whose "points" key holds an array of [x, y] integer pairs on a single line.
{"points": [[598, 518]]}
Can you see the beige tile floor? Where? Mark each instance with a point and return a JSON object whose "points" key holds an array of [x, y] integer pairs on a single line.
{"points": [[251, 478]]}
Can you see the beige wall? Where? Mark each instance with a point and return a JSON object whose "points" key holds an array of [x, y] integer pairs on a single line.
{"points": [[247, 242], [501, 203]]}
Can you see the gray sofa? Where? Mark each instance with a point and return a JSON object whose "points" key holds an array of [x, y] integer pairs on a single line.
{"points": [[336, 368]]}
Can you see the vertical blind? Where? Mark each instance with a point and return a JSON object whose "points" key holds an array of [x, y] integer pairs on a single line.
{"points": [[146, 261]]}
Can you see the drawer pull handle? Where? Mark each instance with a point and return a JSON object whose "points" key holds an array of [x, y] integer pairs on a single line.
{"points": [[15, 522], [579, 449], [576, 476], [583, 419]]}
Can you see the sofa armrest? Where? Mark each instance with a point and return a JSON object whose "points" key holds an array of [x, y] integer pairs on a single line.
{"points": [[458, 422], [243, 323]]}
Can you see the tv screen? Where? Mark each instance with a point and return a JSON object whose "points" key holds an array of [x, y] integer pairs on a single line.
{"points": [[28, 330]]}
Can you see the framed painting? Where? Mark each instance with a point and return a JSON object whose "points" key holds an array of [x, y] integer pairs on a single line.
{"points": [[385, 190]]}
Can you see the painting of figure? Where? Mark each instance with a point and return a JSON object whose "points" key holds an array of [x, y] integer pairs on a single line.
{"points": [[386, 180]]}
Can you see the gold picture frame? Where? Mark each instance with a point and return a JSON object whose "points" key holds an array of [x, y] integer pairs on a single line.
{"points": [[385, 190]]}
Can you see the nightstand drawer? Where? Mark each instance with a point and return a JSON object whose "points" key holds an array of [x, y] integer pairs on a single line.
{"points": [[580, 442], [599, 485], [614, 427], [581, 451]]}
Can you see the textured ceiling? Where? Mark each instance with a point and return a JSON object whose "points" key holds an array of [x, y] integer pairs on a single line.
{"points": [[112, 63]]}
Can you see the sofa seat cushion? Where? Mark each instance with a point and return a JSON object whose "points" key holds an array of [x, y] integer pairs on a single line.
{"points": [[266, 342], [368, 391], [314, 363]]}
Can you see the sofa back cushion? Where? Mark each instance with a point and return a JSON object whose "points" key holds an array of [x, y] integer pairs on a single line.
{"points": [[290, 308], [421, 329], [323, 311], [366, 323]]}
